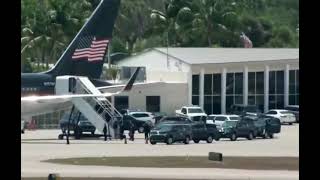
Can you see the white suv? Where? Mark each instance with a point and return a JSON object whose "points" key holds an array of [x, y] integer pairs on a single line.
{"points": [[143, 116], [284, 116]]}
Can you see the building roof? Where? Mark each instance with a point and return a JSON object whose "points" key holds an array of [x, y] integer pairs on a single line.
{"points": [[230, 55]]}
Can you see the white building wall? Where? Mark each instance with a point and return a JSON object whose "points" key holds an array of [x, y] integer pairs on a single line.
{"points": [[172, 95]]}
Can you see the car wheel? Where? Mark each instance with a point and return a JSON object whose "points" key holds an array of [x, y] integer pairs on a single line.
{"points": [[250, 136], [60, 136], [196, 141], [187, 140], [141, 129], [217, 139], [271, 136], [153, 142], [290, 123], [92, 132], [169, 140], [209, 139], [266, 135], [233, 137]]}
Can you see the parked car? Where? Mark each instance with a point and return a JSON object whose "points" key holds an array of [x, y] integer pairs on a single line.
{"points": [[265, 126], [170, 133], [219, 119], [194, 113], [294, 109], [77, 126], [143, 116], [204, 132], [240, 109], [22, 126], [127, 111], [138, 123], [235, 129], [283, 115]]}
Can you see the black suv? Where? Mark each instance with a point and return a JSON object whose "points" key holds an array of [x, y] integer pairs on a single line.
{"points": [[170, 133], [240, 109], [265, 126], [205, 132], [77, 125], [235, 129]]}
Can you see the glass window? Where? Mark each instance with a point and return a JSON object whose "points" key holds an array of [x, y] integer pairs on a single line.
{"points": [[230, 83], [271, 112], [260, 83], [229, 103], [238, 83], [195, 110], [272, 102], [251, 100], [292, 82], [208, 104], [195, 84], [272, 82], [292, 99], [238, 99], [297, 81], [153, 103], [260, 102], [220, 118], [121, 102], [280, 82], [280, 101], [234, 118], [251, 83], [216, 104], [208, 84], [216, 84], [195, 100]]}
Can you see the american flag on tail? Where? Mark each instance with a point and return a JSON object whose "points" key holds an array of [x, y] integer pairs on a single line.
{"points": [[91, 49]]}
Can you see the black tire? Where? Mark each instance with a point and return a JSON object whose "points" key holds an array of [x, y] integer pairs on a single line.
{"points": [[92, 132], [250, 136], [266, 135], [233, 137], [153, 142], [141, 129], [22, 131], [209, 139], [60, 136], [169, 140], [217, 137], [290, 123], [187, 140], [196, 141]]}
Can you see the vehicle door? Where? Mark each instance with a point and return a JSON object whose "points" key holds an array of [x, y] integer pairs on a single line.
{"points": [[177, 133], [242, 128], [273, 125]]}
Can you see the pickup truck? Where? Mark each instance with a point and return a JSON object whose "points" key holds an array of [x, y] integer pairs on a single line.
{"points": [[194, 113]]}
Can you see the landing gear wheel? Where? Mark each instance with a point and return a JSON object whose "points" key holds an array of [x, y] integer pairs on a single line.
{"points": [[209, 139]]}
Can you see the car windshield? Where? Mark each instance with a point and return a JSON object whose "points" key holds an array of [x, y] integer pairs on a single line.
{"points": [[230, 123], [139, 115], [210, 118], [285, 112], [195, 110], [235, 118], [172, 119]]}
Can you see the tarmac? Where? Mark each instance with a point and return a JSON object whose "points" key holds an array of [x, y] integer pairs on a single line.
{"points": [[40, 145]]}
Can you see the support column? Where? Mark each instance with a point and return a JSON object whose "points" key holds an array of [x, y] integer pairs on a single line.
{"points": [[286, 85], [223, 90], [266, 89], [245, 85], [201, 88], [189, 79]]}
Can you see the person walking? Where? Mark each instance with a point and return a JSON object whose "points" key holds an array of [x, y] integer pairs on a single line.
{"points": [[131, 130], [147, 128]]}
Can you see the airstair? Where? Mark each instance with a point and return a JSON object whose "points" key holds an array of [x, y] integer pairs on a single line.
{"points": [[98, 110]]}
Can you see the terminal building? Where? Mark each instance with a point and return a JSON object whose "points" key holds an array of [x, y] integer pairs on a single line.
{"points": [[213, 78]]}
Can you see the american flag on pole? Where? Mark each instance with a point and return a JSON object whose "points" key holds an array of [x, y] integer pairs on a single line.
{"points": [[91, 49]]}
